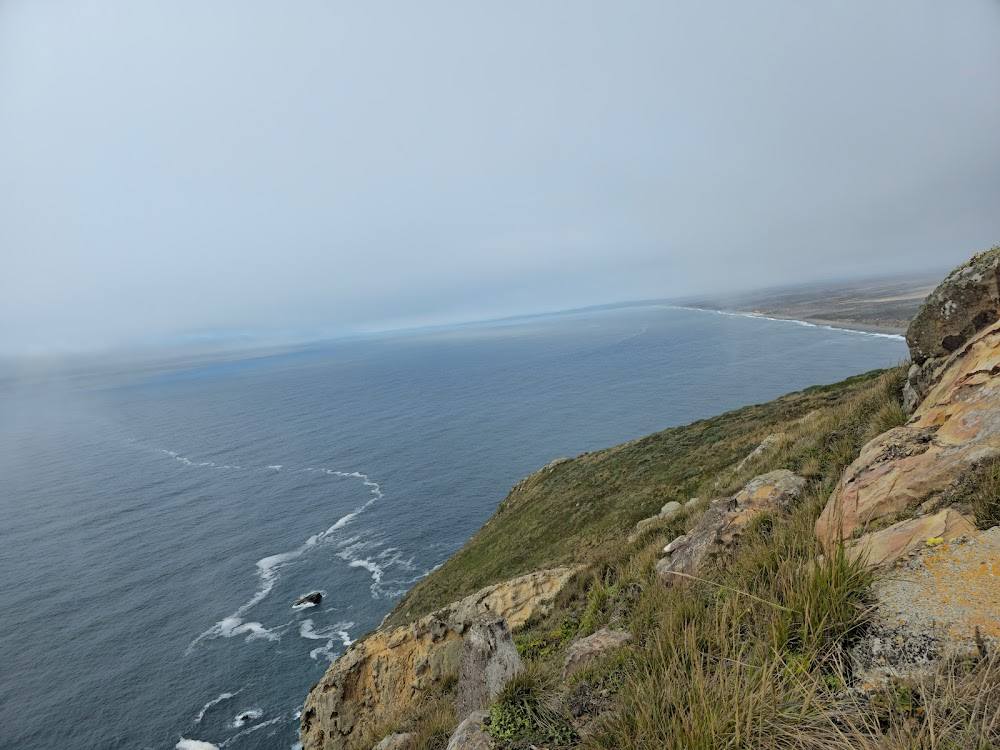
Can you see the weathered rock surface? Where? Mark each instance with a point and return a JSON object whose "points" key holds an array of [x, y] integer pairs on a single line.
{"points": [[726, 519], [767, 444], [941, 603], [892, 543], [956, 426], [489, 661], [403, 741], [585, 651], [470, 735], [391, 669], [966, 302], [666, 513]]}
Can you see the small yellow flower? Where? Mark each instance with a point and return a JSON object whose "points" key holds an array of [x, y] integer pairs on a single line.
{"points": [[934, 541]]}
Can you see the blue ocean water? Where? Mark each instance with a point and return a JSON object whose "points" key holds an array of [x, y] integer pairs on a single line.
{"points": [[156, 528]]}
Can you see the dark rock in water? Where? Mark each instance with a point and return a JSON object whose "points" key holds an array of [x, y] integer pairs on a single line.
{"points": [[245, 718], [314, 598]]}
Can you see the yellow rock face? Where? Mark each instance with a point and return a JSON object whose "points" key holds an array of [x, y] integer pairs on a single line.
{"points": [[956, 426], [390, 670]]}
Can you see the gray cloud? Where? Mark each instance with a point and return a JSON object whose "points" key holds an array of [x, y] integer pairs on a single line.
{"points": [[186, 166]]}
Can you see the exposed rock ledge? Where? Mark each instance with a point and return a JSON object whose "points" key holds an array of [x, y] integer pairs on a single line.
{"points": [[956, 427], [391, 669]]}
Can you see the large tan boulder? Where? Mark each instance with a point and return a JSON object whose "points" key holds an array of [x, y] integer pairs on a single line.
{"points": [[956, 427], [390, 670]]}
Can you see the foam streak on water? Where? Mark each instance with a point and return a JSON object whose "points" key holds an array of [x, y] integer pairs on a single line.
{"points": [[268, 568]]}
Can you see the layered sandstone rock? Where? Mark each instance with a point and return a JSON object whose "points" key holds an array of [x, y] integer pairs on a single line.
{"points": [[392, 669], [956, 427]]}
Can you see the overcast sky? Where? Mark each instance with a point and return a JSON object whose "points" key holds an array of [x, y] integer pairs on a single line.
{"points": [[188, 166]]}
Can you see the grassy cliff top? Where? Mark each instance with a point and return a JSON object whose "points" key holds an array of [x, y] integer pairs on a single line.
{"points": [[581, 510]]}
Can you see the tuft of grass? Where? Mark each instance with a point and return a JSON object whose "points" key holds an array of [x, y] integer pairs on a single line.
{"points": [[985, 495], [437, 720], [526, 712], [747, 657], [532, 645]]}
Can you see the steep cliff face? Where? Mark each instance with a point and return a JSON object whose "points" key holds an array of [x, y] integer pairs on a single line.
{"points": [[393, 668]]}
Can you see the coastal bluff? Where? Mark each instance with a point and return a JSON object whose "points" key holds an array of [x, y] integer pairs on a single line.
{"points": [[818, 571]]}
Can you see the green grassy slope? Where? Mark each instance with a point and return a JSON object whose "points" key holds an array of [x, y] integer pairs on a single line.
{"points": [[577, 511]]}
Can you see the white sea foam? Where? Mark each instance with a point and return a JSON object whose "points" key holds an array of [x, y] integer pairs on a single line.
{"points": [[194, 745], [213, 702], [276, 467], [245, 717], [198, 464], [331, 635], [268, 568]]}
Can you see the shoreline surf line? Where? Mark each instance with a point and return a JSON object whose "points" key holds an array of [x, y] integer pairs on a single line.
{"points": [[828, 325]]}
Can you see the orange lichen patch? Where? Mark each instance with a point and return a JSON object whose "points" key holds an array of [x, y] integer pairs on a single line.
{"points": [[952, 590]]}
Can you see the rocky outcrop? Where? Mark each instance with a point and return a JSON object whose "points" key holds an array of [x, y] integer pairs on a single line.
{"points": [[403, 741], [726, 519], [585, 651], [966, 302], [489, 661], [390, 670], [470, 734], [956, 427], [942, 603], [667, 513]]}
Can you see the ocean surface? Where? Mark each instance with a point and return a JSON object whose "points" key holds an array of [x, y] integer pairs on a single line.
{"points": [[157, 526]]}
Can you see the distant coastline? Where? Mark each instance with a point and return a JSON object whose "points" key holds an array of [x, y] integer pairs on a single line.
{"points": [[875, 306], [845, 325]]}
